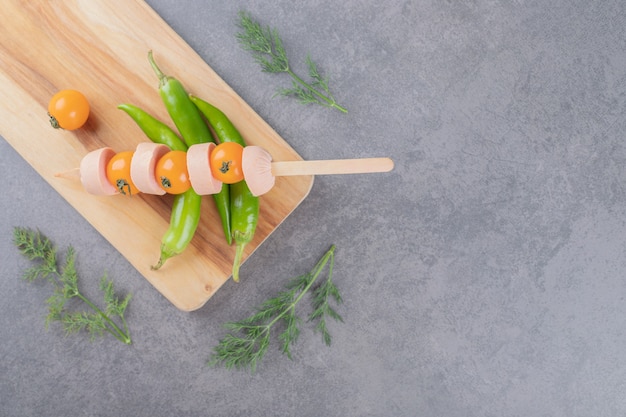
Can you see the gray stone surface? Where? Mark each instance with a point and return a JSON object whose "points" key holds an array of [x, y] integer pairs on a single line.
{"points": [[484, 276]]}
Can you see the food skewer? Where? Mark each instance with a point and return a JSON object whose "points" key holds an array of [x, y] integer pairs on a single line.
{"points": [[259, 169], [313, 167]]}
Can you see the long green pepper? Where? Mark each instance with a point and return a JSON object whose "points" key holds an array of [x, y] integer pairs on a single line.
{"points": [[185, 214], [193, 129], [245, 213], [155, 130], [244, 206], [183, 224], [224, 129]]}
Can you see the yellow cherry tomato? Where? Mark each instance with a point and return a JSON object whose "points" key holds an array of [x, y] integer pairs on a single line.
{"points": [[68, 109], [225, 162], [118, 173], [171, 172]]}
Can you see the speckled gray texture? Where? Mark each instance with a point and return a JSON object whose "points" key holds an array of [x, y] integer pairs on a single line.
{"points": [[485, 276]]}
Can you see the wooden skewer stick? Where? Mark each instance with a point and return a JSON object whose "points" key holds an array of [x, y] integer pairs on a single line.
{"points": [[291, 168], [332, 166], [71, 174]]}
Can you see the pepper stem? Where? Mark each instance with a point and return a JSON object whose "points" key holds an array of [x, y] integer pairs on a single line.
{"points": [[157, 70], [165, 255], [237, 261]]}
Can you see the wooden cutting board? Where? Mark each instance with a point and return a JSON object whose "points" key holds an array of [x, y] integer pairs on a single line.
{"points": [[100, 48]]}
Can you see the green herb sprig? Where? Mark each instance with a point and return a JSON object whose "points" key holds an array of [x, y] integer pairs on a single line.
{"points": [[37, 247], [268, 51], [249, 339]]}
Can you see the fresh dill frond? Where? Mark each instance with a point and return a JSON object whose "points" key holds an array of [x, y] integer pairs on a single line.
{"points": [[114, 305], [268, 50], [290, 335], [265, 45], [323, 309], [68, 274], [38, 248], [92, 323], [248, 339]]}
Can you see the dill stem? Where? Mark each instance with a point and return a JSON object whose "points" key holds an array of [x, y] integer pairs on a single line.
{"points": [[112, 327], [331, 102], [318, 270]]}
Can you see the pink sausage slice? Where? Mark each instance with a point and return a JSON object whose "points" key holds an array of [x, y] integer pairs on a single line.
{"points": [[199, 169], [93, 172], [256, 163], [142, 167]]}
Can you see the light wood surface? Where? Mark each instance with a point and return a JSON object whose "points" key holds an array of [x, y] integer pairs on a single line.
{"points": [[100, 48]]}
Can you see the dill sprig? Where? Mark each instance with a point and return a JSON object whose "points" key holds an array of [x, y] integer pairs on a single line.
{"points": [[267, 49], [38, 248], [246, 344]]}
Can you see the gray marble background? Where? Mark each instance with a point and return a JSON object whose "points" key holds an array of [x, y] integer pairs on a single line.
{"points": [[484, 276]]}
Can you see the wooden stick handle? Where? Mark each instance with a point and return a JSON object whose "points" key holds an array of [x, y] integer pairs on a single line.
{"points": [[332, 166]]}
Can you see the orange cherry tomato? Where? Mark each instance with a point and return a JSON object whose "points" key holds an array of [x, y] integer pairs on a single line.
{"points": [[118, 173], [171, 172], [68, 109], [226, 163]]}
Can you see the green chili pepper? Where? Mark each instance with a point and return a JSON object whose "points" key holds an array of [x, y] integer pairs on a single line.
{"points": [[221, 124], [193, 129], [186, 207], [154, 129], [244, 207], [245, 212], [183, 223]]}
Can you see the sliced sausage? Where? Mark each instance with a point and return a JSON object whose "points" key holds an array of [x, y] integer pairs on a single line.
{"points": [[142, 167], [199, 169], [256, 163], [93, 173]]}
